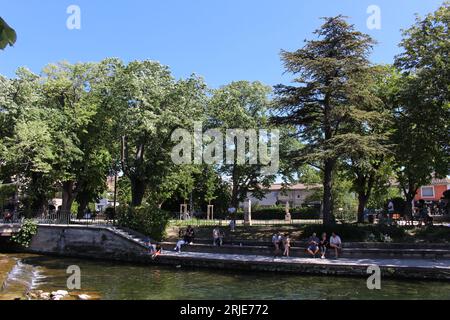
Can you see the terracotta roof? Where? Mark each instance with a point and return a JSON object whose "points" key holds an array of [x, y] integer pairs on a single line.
{"points": [[440, 181]]}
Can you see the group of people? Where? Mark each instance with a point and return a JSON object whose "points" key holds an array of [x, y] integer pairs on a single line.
{"points": [[424, 214], [320, 246], [281, 243], [218, 236], [186, 237], [314, 247]]}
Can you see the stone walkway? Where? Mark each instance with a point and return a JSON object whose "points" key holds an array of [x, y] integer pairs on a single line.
{"points": [[443, 265]]}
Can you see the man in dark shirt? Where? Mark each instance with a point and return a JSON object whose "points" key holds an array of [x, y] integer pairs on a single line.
{"points": [[190, 234], [313, 245]]}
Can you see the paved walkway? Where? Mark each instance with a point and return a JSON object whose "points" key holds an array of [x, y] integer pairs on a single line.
{"points": [[394, 263]]}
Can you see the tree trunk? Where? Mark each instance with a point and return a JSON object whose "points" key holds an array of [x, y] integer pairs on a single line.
{"points": [[39, 206], [409, 206], [235, 190], [362, 202], [83, 201], [410, 193], [68, 196], [327, 202], [138, 188]]}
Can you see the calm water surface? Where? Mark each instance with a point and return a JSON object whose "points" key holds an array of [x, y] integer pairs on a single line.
{"points": [[19, 273]]}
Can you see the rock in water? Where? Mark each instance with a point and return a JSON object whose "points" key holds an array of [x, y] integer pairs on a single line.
{"points": [[45, 296], [60, 293], [33, 295]]}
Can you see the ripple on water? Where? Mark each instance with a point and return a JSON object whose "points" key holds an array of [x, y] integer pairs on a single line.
{"points": [[110, 280]]}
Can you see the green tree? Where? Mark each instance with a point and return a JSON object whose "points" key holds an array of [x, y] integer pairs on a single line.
{"points": [[149, 105], [209, 183], [422, 108], [333, 95], [7, 34], [370, 168], [67, 92], [241, 105], [26, 138]]}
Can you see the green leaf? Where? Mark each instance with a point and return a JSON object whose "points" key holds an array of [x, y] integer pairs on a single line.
{"points": [[7, 35]]}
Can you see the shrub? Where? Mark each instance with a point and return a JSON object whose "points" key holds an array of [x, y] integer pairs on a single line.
{"points": [[395, 232], [266, 213], [355, 232], [433, 234], [26, 233], [109, 213], [399, 205], [345, 231], [148, 220]]}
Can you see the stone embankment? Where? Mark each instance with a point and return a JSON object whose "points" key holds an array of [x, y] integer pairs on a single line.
{"points": [[111, 243]]}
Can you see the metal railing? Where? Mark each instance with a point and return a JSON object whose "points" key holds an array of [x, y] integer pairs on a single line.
{"points": [[223, 222], [67, 218]]}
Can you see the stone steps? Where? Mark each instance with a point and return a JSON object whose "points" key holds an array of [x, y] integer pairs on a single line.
{"points": [[303, 243], [128, 235], [350, 252]]}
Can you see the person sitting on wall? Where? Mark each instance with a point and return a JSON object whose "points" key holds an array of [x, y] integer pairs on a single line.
{"points": [[424, 217], [182, 241], [336, 244], [323, 245], [7, 216], [149, 245], [157, 250], [276, 243], [189, 235], [313, 245]]}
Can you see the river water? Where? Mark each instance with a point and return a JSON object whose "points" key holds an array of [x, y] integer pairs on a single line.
{"points": [[109, 280]]}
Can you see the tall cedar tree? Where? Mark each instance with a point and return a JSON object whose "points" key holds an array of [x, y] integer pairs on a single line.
{"points": [[332, 73]]}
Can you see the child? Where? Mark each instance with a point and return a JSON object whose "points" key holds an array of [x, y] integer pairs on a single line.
{"points": [[286, 245]]}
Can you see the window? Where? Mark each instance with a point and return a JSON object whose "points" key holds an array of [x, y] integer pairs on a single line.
{"points": [[428, 192]]}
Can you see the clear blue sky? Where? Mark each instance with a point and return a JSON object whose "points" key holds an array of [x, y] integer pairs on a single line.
{"points": [[221, 40]]}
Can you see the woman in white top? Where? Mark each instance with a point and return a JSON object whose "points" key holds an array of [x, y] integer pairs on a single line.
{"points": [[336, 244]]}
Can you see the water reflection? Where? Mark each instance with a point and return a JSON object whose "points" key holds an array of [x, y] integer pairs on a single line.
{"points": [[125, 281]]}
